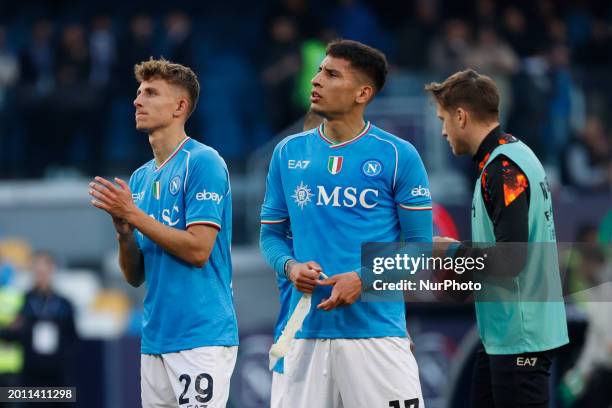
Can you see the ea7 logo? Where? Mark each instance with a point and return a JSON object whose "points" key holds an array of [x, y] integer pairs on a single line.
{"points": [[138, 196], [298, 164], [526, 361]]}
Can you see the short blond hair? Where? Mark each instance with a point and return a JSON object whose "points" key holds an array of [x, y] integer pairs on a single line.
{"points": [[175, 74]]}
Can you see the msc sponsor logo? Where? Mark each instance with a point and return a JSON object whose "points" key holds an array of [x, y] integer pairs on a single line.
{"points": [[347, 197], [175, 185], [340, 196], [302, 195], [371, 168], [207, 195], [420, 191], [167, 216], [298, 164]]}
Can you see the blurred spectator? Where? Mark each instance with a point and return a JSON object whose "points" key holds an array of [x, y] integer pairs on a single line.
{"points": [[73, 62], [587, 383], [136, 47], [103, 49], [447, 53], [494, 57], [557, 130], [302, 12], [516, 33], [9, 67], [578, 18], [583, 262], [11, 353], [45, 327], [312, 52], [595, 53], [9, 73], [355, 20], [414, 37], [178, 44], [604, 235], [280, 68], [38, 59], [588, 159], [486, 13], [531, 91]]}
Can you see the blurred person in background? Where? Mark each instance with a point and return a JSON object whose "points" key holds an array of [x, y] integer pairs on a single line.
{"points": [[45, 327], [73, 61], [37, 82], [178, 43], [138, 45], [103, 54], [173, 225], [312, 52], [11, 350], [9, 74], [356, 20], [9, 67], [415, 36], [77, 135], [448, 51], [38, 58], [103, 51], [515, 30], [587, 383], [492, 56], [281, 64], [587, 164], [583, 264]]}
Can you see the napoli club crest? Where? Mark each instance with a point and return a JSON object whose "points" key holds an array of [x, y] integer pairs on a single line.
{"points": [[371, 168], [175, 185]]}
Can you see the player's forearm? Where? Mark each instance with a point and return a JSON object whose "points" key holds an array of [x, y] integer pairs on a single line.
{"points": [[275, 247], [130, 260], [180, 243]]}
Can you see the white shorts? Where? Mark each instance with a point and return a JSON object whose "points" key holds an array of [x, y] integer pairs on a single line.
{"points": [[352, 373], [279, 383], [193, 378]]}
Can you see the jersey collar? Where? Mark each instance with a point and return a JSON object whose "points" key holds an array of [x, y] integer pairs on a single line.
{"points": [[176, 150], [495, 138], [333, 145]]}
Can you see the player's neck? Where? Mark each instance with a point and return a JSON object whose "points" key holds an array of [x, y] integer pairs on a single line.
{"points": [[164, 142], [344, 129], [478, 135]]}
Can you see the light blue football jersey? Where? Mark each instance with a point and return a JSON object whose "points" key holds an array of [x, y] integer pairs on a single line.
{"points": [[336, 197], [185, 306]]}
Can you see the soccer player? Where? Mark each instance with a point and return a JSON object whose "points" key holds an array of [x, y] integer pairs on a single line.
{"points": [[511, 204], [335, 187], [174, 223]]}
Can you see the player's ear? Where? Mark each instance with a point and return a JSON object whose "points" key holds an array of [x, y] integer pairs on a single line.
{"points": [[365, 95], [182, 107], [461, 116]]}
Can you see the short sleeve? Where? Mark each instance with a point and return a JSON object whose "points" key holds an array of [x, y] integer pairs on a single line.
{"points": [[206, 189], [274, 208], [411, 183]]}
